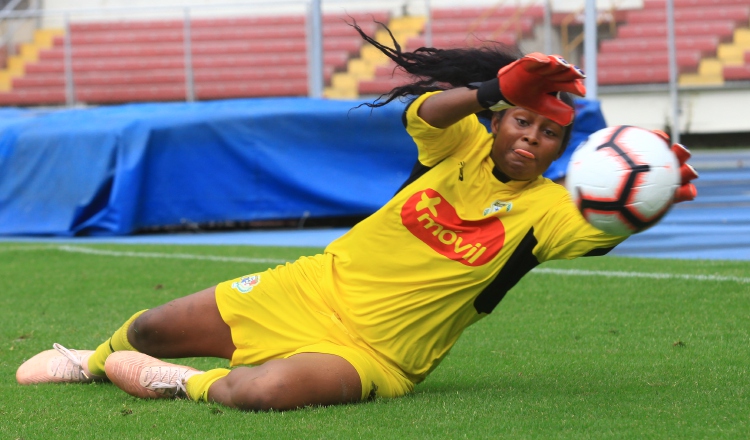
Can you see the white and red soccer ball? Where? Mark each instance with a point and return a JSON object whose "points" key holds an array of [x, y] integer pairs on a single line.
{"points": [[623, 179]]}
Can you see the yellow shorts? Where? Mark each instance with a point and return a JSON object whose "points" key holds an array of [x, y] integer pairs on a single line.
{"points": [[278, 313]]}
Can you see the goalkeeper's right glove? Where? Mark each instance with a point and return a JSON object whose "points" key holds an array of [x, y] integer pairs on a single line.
{"points": [[533, 82]]}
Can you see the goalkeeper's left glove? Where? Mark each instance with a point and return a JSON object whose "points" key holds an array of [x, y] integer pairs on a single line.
{"points": [[686, 191]]}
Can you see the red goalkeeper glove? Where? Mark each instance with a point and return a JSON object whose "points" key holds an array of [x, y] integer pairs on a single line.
{"points": [[686, 191], [533, 82]]}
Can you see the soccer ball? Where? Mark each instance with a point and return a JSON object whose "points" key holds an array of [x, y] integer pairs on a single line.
{"points": [[623, 179]]}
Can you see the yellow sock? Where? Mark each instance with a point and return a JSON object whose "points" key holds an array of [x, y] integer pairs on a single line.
{"points": [[118, 342], [197, 386]]}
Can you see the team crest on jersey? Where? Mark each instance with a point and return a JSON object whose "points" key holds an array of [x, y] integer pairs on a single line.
{"points": [[246, 284], [497, 206]]}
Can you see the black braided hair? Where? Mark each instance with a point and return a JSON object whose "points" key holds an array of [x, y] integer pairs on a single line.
{"points": [[440, 69]]}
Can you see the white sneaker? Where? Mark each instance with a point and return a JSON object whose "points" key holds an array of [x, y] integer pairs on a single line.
{"points": [[143, 376], [58, 365]]}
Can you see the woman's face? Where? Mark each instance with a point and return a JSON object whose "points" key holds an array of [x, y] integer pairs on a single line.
{"points": [[526, 143]]}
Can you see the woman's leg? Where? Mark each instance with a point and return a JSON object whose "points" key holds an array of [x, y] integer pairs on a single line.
{"points": [[300, 380], [190, 326], [169, 331]]}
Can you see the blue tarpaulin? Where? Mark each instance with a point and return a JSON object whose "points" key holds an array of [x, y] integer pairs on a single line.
{"points": [[116, 170]]}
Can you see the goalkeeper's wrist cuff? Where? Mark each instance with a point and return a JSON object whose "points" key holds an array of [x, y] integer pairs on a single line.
{"points": [[489, 95]]}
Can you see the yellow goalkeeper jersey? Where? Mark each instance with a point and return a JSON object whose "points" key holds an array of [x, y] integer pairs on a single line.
{"points": [[443, 252]]}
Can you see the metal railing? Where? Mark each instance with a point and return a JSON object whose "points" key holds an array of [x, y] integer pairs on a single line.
{"points": [[575, 18], [513, 21]]}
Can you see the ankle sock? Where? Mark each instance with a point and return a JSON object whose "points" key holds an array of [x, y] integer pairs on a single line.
{"points": [[118, 342], [197, 385]]}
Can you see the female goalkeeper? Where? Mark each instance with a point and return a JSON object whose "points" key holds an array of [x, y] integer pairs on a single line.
{"points": [[379, 309]]}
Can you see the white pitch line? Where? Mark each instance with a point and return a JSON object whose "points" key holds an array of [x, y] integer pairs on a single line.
{"points": [[660, 276], [566, 272], [26, 248], [85, 250]]}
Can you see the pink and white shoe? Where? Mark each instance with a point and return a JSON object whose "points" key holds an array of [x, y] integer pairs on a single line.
{"points": [[143, 376], [59, 365]]}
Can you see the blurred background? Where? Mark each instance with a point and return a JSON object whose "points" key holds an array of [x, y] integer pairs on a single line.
{"points": [[108, 51], [125, 117]]}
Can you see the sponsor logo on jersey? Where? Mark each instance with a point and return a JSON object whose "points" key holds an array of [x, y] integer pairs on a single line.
{"points": [[434, 221], [497, 206], [246, 284]]}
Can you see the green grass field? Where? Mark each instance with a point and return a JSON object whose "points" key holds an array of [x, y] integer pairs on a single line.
{"points": [[577, 350]]}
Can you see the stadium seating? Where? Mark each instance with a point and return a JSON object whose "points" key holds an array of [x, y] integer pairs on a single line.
{"points": [[638, 53], [458, 27], [144, 60]]}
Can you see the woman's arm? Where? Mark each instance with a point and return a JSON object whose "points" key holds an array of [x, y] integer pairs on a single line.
{"points": [[444, 109], [530, 82]]}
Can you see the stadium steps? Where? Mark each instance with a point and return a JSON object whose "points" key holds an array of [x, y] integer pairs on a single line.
{"points": [[703, 28], [730, 63], [737, 58], [451, 28], [363, 68], [127, 61], [28, 53]]}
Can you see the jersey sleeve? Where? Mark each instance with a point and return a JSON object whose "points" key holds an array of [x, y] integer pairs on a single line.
{"points": [[567, 235], [435, 144]]}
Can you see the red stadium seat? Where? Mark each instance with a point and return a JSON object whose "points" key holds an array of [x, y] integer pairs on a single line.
{"points": [[336, 59], [655, 4], [739, 14], [134, 25], [389, 70], [378, 86], [474, 13], [737, 73], [251, 89], [687, 61], [177, 76], [131, 93], [633, 75], [724, 29], [522, 26], [706, 44], [47, 96], [446, 41]]}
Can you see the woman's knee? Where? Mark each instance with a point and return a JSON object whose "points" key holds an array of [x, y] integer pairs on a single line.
{"points": [[147, 329]]}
